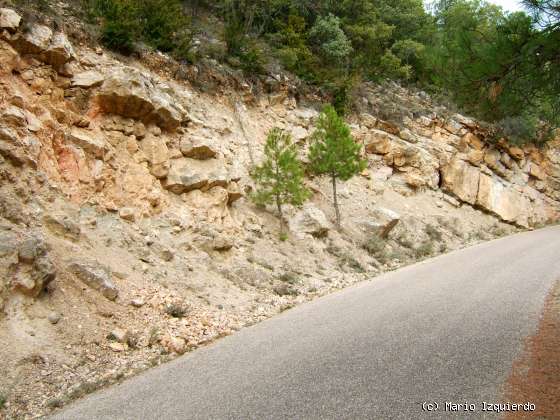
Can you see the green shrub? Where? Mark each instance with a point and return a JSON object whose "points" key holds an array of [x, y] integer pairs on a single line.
{"points": [[160, 23], [3, 400]]}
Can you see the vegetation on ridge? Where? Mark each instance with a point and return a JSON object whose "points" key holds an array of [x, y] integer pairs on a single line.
{"points": [[501, 67]]}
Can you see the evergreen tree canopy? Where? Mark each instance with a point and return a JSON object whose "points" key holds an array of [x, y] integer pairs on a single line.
{"points": [[279, 178]]}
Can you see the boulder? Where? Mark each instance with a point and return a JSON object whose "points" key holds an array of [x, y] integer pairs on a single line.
{"points": [[59, 51], [12, 148], [34, 40], [88, 79], [234, 192], [378, 142], [198, 147], [9, 20], [473, 141], [537, 171], [503, 200], [13, 116], [310, 220], [130, 93], [388, 127], [32, 279], [461, 179], [516, 152], [408, 136], [89, 141], [492, 158], [157, 153], [475, 157], [96, 276], [382, 222], [188, 174]]}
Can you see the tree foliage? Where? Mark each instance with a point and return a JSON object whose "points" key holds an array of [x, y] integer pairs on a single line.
{"points": [[334, 152], [160, 23], [279, 178]]}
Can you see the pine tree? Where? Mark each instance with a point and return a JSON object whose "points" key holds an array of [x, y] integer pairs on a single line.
{"points": [[334, 152], [279, 178]]}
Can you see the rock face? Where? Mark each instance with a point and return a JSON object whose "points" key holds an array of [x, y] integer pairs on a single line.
{"points": [[96, 276], [377, 141], [88, 79], [383, 222], [59, 51], [507, 203], [310, 220], [189, 174], [87, 140], [9, 20], [461, 179], [35, 269], [157, 154], [130, 93], [198, 148], [34, 40]]}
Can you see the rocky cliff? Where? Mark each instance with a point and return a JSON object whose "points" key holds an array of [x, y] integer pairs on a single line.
{"points": [[125, 232]]}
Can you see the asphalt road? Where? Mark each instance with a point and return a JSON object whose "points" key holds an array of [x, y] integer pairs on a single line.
{"points": [[444, 330]]}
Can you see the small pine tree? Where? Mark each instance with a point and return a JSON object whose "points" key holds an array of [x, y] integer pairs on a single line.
{"points": [[334, 151], [279, 178]]}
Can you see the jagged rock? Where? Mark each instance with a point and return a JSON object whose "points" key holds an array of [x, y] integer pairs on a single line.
{"points": [[388, 127], [34, 40], [492, 159], [13, 149], [198, 148], [31, 249], [503, 200], [157, 153], [59, 51], [383, 221], [63, 225], [310, 220], [96, 276], [516, 152], [119, 335], [507, 160], [88, 79], [408, 136], [536, 171], [13, 116], [174, 344], [127, 213], [473, 141], [368, 120], [32, 279], [9, 20], [451, 200], [475, 157], [89, 141], [128, 92], [189, 174], [299, 133], [453, 127], [415, 179], [378, 142], [9, 59], [461, 179], [234, 192]]}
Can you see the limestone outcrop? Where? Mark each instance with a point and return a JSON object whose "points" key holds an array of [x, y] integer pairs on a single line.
{"points": [[128, 92]]}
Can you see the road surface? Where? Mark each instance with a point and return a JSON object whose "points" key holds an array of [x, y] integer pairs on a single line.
{"points": [[444, 330]]}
